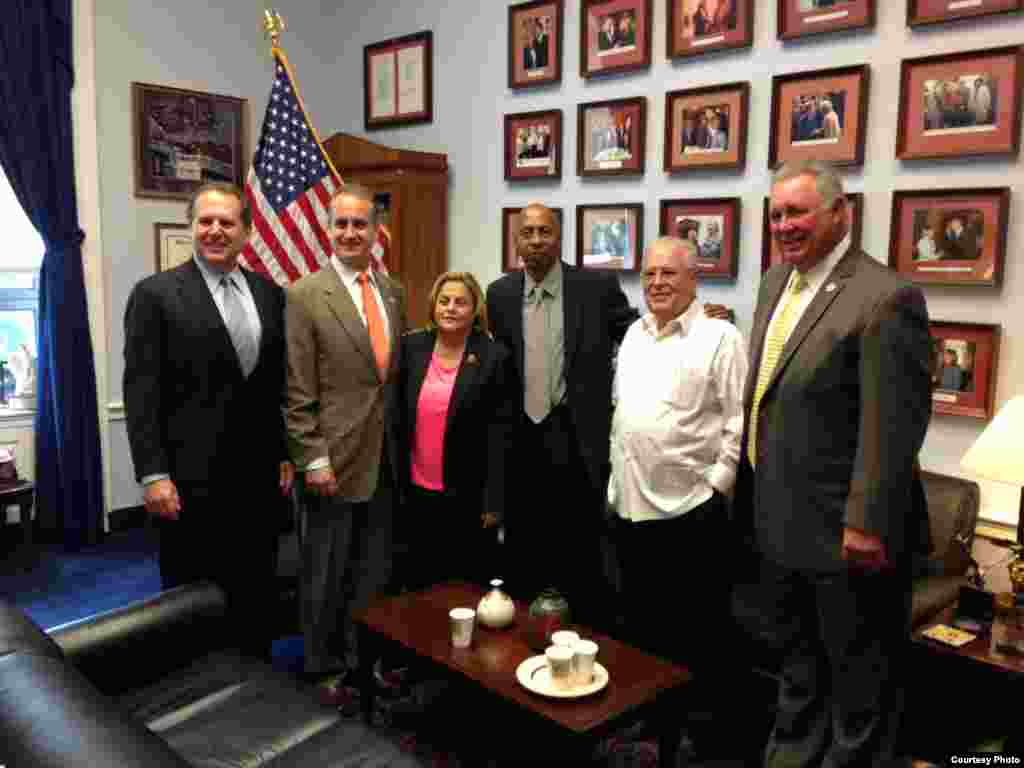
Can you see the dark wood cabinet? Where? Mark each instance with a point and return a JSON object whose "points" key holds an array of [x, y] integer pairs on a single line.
{"points": [[411, 189]]}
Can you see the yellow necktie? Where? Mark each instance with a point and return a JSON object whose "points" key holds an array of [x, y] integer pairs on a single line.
{"points": [[773, 344]]}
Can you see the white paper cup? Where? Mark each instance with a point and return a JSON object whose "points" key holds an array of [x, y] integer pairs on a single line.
{"points": [[462, 620], [584, 655], [560, 663], [564, 637]]}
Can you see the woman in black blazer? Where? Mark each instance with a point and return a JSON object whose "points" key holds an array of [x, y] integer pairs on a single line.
{"points": [[454, 411]]}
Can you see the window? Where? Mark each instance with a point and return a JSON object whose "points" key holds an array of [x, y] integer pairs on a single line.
{"points": [[20, 259]]}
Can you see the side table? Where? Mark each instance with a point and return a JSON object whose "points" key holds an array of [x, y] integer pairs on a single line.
{"points": [[23, 496]]}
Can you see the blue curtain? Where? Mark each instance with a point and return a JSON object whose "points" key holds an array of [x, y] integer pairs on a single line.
{"points": [[36, 76]]}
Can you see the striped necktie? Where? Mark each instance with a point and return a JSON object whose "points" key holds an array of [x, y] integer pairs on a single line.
{"points": [[773, 344]]}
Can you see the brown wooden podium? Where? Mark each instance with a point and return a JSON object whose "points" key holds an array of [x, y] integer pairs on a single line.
{"points": [[412, 188]]}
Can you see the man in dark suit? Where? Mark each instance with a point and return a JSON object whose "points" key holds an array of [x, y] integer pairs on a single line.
{"points": [[838, 400], [560, 325], [203, 375], [343, 324]]}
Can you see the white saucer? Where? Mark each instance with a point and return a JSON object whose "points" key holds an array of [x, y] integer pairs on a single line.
{"points": [[535, 675]]}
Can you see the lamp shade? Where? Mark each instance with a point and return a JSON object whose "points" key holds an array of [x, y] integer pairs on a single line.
{"points": [[998, 453]]}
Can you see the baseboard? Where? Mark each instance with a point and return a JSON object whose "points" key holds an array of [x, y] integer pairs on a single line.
{"points": [[127, 518]]}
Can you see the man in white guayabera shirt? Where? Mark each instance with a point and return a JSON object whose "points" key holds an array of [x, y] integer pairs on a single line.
{"points": [[675, 445]]}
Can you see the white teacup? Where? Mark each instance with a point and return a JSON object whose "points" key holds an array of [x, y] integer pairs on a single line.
{"points": [[584, 655], [560, 663], [462, 620]]}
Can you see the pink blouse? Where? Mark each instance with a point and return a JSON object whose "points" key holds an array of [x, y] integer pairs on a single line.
{"points": [[431, 416]]}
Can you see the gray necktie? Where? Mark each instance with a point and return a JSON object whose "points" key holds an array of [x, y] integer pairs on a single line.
{"points": [[238, 326], [538, 387]]}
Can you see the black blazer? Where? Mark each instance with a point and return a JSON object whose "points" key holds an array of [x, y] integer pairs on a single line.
{"points": [[190, 412], [476, 431], [597, 315]]}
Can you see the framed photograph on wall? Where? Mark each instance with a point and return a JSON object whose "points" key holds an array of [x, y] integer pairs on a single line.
{"points": [[398, 81], [535, 43], [960, 105], [965, 359], [706, 127], [950, 236], [820, 115], [615, 36], [610, 236], [610, 137], [802, 18], [922, 12], [699, 26], [533, 145], [173, 245], [713, 226], [184, 139], [510, 219], [770, 254]]}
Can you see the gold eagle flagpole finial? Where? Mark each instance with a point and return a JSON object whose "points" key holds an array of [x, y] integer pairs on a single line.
{"points": [[273, 26]]}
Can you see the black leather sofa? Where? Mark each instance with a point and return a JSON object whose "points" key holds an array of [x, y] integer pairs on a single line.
{"points": [[152, 685]]}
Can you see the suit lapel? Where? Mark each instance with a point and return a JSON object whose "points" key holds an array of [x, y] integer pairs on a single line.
{"points": [[420, 348], [197, 298], [571, 310], [262, 309], [339, 301], [827, 293], [390, 301], [773, 292], [469, 371], [515, 313]]}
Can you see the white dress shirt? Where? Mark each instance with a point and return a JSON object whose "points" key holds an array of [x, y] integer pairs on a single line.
{"points": [[679, 416]]}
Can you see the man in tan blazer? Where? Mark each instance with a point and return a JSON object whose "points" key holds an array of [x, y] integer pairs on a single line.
{"points": [[342, 326]]}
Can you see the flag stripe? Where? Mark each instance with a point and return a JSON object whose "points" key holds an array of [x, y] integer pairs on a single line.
{"points": [[264, 227], [314, 228]]}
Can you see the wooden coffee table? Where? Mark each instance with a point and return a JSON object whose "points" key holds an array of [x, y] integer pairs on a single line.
{"points": [[984, 650], [641, 686]]}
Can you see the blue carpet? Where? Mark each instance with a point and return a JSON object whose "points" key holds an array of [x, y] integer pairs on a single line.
{"points": [[123, 568]]}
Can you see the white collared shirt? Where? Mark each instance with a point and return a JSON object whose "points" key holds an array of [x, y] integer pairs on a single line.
{"points": [[815, 277], [679, 415], [349, 280]]}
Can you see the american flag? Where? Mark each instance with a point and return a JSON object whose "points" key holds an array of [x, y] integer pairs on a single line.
{"points": [[289, 187]]}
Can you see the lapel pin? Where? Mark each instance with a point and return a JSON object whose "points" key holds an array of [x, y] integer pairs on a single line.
{"points": [[471, 359], [830, 287]]}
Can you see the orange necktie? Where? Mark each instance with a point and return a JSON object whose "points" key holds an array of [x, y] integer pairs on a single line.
{"points": [[375, 325]]}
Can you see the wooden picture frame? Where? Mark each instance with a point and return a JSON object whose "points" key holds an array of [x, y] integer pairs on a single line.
{"points": [[615, 36], [687, 147], [714, 223], [688, 33], [398, 81], [610, 236], [964, 382], [944, 111], [533, 145], [804, 18], [535, 43], [801, 129], [950, 236], [925, 12], [510, 261], [770, 255], [184, 139], [611, 137], [173, 245]]}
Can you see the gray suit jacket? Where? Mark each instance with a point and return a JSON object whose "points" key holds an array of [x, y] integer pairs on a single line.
{"points": [[842, 420], [335, 402]]}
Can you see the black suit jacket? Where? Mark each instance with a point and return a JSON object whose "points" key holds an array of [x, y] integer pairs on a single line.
{"points": [[190, 412], [477, 428], [841, 421], [596, 316]]}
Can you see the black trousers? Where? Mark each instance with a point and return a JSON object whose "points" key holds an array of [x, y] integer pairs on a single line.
{"points": [[553, 523], [233, 544], [843, 639]]}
